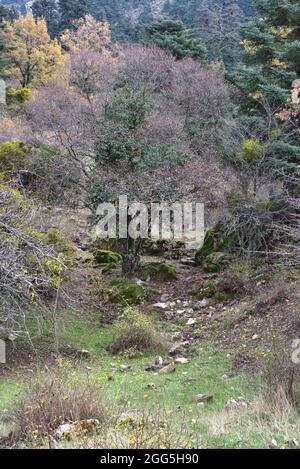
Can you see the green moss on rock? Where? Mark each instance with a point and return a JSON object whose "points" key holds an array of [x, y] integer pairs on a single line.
{"points": [[207, 247], [158, 271], [215, 262], [105, 256], [126, 294]]}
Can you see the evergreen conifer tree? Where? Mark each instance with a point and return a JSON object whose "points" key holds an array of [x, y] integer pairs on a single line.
{"points": [[174, 36], [271, 66], [70, 11]]}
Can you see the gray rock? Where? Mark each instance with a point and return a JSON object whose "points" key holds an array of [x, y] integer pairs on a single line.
{"points": [[181, 360], [125, 367], [203, 398], [187, 261], [164, 297], [204, 303], [160, 305], [191, 322]]}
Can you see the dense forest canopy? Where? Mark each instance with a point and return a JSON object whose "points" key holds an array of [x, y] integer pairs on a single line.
{"points": [[214, 21]]}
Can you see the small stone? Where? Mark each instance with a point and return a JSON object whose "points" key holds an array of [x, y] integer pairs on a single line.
{"points": [[125, 367], [160, 305], [187, 261], [203, 398], [175, 349], [203, 303], [180, 311], [168, 368], [168, 315], [273, 444], [191, 321], [181, 360], [200, 404], [255, 337], [140, 282]]}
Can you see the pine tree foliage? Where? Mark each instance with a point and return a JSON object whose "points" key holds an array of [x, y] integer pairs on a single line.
{"points": [[271, 68], [272, 50], [174, 36]]}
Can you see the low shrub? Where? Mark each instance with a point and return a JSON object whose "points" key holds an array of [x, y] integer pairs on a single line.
{"points": [[13, 156], [18, 96], [281, 378], [60, 241], [135, 331], [54, 397], [253, 226]]}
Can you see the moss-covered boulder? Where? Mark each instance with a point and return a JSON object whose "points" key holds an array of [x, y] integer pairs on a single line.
{"points": [[207, 247], [214, 242], [215, 262], [158, 271], [207, 291], [125, 293], [105, 256]]}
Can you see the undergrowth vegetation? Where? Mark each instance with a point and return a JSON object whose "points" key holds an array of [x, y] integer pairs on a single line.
{"points": [[135, 332]]}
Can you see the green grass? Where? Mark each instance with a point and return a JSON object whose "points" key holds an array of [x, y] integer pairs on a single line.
{"points": [[173, 394], [9, 390]]}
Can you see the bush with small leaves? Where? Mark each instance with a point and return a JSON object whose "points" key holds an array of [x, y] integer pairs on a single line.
{"points": [[137, 331], [54, 397]]}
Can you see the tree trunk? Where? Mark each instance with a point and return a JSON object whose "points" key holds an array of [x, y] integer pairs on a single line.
{"points": [[131, 255]]}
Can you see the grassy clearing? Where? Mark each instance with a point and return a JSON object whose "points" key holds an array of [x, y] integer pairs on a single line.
{"points": [[173, 394]]}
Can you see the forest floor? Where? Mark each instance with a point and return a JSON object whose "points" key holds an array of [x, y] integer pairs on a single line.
{"points": [[226, 344]]}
